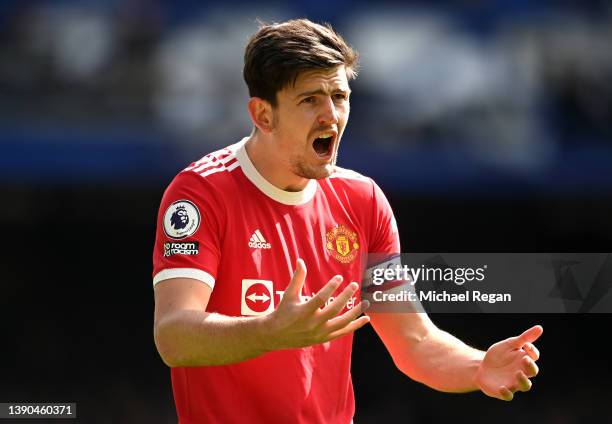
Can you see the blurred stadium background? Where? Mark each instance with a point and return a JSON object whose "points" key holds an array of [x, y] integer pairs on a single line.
{"points": [[487, 123]]}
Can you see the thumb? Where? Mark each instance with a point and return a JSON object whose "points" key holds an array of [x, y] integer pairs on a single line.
{"points": [[294, 288], [528, 336]]}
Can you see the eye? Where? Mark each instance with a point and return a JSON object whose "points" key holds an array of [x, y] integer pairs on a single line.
{"points": [[308, 100], [340, 96]]}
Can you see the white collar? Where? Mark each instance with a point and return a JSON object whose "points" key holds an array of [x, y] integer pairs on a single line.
{"points": [[273, 192]]}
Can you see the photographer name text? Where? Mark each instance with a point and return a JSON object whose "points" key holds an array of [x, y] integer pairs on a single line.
{"points": [[441, 296]]}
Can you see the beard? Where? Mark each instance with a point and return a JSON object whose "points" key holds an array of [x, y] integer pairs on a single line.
{"points": [[300, 167]]}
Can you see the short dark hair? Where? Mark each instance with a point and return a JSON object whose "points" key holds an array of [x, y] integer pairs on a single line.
{"points": [[277, 53]]}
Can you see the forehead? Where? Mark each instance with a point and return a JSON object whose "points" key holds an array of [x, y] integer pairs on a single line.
{"points": [[325, 79]]}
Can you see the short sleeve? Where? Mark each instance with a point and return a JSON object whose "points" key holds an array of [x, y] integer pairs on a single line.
{"points": [[187, 240], [385, 236], [384, 250]]}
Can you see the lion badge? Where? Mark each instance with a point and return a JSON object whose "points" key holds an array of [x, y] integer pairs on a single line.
{"points": [[181, 219]]}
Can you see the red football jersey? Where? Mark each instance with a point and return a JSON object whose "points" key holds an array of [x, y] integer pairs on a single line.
{"points": [[222, 223]]}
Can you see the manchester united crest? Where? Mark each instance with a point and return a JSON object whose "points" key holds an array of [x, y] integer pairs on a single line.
{"points": [[342, 244]]}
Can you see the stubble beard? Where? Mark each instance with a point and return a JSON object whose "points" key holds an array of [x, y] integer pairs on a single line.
{"points": [[303, 169]]}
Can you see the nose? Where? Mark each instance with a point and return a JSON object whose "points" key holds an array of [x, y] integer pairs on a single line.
{"points": [[329, 113]]}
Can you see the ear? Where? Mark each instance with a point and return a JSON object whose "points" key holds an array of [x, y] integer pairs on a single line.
{"points": [[261, 114]]}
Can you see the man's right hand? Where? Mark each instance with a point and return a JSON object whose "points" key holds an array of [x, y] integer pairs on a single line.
{"points": [[297, 324]]}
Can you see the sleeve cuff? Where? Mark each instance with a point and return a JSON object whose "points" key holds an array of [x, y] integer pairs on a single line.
{"points": [[196, 274]]}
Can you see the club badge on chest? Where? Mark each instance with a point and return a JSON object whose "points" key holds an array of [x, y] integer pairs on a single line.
{"points": [[342, 244]]}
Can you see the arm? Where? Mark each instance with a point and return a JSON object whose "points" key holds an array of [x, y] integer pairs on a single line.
{"points": [[432, 356], [427, 354], [441, 361], [186, 335]]}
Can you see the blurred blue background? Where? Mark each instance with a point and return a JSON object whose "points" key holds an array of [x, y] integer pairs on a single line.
{"points": [[487, 123], [490, 97]]}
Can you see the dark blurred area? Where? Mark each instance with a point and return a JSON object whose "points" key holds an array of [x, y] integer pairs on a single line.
{"points": [[487, 123]]}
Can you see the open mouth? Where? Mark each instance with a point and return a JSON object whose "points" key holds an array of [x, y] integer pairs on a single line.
{"points": [[323, 144]]}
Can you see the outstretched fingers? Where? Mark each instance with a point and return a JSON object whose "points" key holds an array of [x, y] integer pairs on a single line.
{"points": [[335, 325], [294, 288], [350, 328], [334, 307], [304, 323], [346, 318], [319, 299]]}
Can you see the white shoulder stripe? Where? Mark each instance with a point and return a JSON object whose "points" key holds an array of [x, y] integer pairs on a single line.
{"points": [[222, 156], [196, 274], [213, 162], [196, 164], [220, 167], [217, 168], [208, 159], [233, 166]]}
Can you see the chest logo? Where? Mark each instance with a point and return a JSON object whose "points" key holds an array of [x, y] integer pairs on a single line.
{"points": [[342, 244], [257, 297], [257, 241]]}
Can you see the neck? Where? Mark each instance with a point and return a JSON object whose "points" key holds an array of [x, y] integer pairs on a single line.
{"points": [[276, 170]]}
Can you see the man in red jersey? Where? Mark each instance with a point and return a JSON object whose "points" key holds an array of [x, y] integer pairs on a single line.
{"points": [[248, 334]]}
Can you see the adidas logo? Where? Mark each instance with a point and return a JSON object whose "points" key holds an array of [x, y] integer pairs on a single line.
{"points": [[258, 241]]}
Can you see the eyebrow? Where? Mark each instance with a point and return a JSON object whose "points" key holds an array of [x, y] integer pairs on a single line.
{"points": [[322, 92]]}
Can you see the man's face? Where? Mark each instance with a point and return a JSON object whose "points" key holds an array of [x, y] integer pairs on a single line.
{"points": [[309, 120]]}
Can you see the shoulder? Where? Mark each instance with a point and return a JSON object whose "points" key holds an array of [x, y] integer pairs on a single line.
{"points": [[357, 187], [349, 175], [351, 182], [218, 162], [212, 171]]}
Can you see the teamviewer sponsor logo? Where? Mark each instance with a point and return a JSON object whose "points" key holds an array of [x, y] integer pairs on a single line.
{"points": [[257, 297], [257, 241]]}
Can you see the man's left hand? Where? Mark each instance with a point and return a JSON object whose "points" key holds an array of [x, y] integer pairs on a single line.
{"points": [[508, 365]]}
